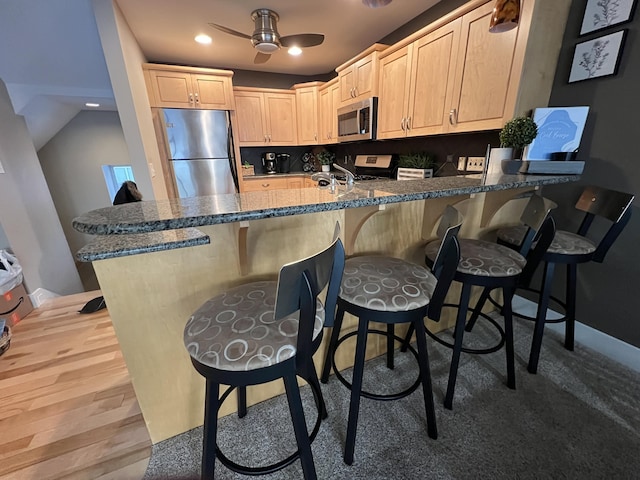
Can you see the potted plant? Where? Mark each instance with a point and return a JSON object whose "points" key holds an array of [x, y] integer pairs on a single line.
{"points": [[247, 169], [326, 159], [415, 165], [514, 137]]}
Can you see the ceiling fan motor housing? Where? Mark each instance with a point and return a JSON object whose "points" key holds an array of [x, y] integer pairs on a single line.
{"points": [[265, 38]]}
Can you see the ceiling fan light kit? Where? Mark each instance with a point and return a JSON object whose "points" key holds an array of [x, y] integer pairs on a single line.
{"points": [[505, 16], [266, 39], [376, 3]]}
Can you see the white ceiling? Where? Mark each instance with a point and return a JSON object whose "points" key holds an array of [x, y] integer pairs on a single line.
{"points": [[52, 62]]}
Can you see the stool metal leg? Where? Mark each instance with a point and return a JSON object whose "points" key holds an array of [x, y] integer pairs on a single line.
{"points": [[211, 406], [425, 372], [458, 333], [335, 334], [476, 311], [570, 314], [300, 426], [508, 293], [241, 392], [356, 388], [390, 345], [538, 330]]}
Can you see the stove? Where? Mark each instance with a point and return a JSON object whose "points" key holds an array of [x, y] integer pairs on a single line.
{"points": [[371, 167]]}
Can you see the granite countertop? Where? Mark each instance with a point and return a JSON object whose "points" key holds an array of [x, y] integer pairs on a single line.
{"points": [[143, 218]]}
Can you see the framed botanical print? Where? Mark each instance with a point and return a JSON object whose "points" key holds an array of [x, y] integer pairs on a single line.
{"points": [[599, 14], [598, 57]]}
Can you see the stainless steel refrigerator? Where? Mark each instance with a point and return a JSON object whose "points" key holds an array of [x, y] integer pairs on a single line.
{"points": [[199, 147]]}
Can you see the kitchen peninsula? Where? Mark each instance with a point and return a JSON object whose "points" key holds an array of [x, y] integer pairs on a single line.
{"points": [[157, 261]]}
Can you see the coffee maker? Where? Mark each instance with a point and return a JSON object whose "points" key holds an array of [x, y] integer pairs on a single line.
{"points": [[269, 163]]}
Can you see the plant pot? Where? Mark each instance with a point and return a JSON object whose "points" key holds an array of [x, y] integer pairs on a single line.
{"points": [[326, 168], [413, 173], [496, 156], [511, 167]]}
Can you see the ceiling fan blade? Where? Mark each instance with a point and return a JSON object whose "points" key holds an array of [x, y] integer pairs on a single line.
{"points": [[230, 31], [302, 40], [261, 57]]}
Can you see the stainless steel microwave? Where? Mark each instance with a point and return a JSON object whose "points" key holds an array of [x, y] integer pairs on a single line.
{"points": [[358, 121]]}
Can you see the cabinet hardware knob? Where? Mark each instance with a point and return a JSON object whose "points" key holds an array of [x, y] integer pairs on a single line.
{"points": [[197, 99], [408, 123], [402, 124]]}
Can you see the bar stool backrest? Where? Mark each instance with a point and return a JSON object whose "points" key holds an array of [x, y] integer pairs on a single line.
{"points": [[447, 259], [535, 212], [609, 204], [300, 283]]}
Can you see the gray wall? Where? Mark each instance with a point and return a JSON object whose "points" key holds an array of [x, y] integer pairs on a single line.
{"points": [[607, 293], [72, 164], [27, 213]]}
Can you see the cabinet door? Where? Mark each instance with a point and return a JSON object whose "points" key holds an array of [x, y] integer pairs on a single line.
{"points": [[325, 114], [347, 84], [366, 76], [251, 128], [483, 73], [295, 182], [307, 110], [171, 89], [281, 117], [432, 72], [329, 102], [394, 93], [212, 92]]}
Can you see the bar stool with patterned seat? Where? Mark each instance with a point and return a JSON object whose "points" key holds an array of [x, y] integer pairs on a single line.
{"points": [[491, 266], [392, 291], [260, 332], [571, 249]]}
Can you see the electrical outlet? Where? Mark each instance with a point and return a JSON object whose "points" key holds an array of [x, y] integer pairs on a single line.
{"points": [[475, 164], [462, 163]]}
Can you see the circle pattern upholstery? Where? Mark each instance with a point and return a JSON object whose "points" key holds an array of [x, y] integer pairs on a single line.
{"points": [[564, 243], [236, 331], [481, 258], [386, 284]]}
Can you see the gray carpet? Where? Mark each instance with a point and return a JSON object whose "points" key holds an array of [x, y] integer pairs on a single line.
{"points": [[578, 418]]}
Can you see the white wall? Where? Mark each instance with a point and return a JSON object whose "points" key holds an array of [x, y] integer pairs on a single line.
{"points": [[27, 213], [124, 61], [72, 164]]}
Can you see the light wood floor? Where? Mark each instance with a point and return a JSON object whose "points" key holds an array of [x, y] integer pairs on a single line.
{"points": [[67, 406]]}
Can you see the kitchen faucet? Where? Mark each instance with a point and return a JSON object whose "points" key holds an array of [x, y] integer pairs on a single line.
{"points": [[350, 179]]}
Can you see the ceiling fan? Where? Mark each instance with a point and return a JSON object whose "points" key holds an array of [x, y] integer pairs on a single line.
{"points": [[266, 39]]}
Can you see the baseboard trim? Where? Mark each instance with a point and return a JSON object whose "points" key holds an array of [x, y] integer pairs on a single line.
{"points": [[41, 295], [611, 347]]}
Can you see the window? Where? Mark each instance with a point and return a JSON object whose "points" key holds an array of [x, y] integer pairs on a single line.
{"points": [[114, 175]]}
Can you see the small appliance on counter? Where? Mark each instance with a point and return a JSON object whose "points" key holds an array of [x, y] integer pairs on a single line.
{"points": [[270, 163], [283, 163]]}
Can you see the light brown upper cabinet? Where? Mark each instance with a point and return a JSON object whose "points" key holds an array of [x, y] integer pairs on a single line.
{"points": [[484, 71], [307, 106], [184, 87], [416, 83], [329, 101], [358, 77], [265, 117], [454, 76]]}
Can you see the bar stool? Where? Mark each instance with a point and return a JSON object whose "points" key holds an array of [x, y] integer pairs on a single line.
{"points": [[392, 291], [571, 249], [491, 266], [263, 331]]}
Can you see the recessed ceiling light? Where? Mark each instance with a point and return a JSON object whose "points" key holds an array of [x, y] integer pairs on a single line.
{"points": [[203, 39], [92, 105], [295, 51]]}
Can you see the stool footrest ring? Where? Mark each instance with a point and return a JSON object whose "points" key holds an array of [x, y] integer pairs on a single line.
{"points": [[478, 351], [377, 396], [274, 467], [553, 299]]}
